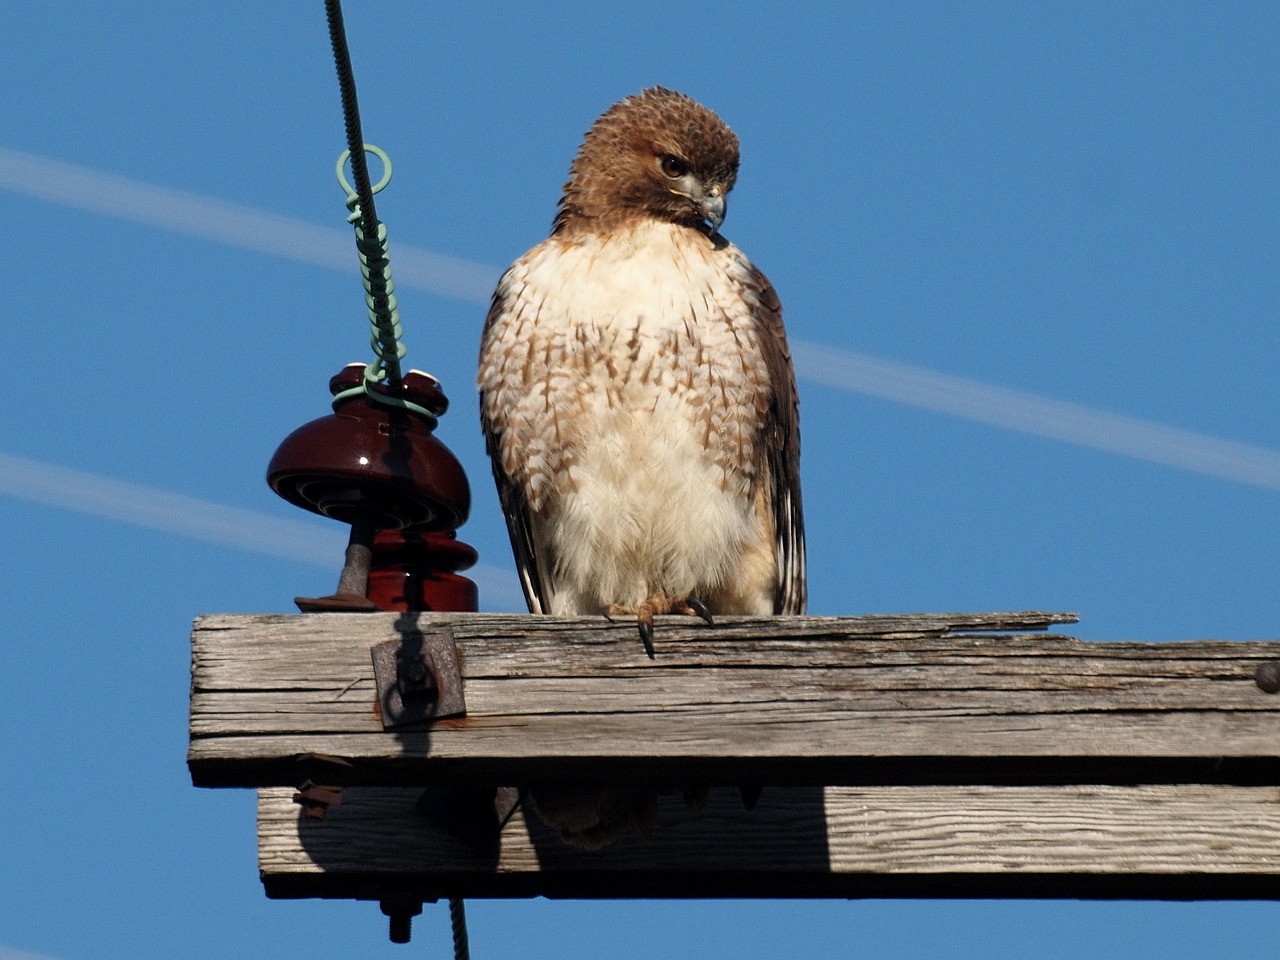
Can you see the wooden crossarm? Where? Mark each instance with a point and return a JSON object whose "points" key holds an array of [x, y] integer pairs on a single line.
{"points": [[1183, 841], [931, 699]]}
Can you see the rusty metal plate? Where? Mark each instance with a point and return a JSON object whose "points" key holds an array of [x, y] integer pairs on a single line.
{"points": [[418, 678]]}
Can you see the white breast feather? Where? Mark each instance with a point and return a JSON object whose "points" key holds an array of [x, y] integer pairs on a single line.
{"points": [[627, 380]]}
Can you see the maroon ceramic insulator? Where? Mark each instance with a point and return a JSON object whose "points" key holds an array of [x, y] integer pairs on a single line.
{"points": [[375, 464], [418, 571], [379, 468]]}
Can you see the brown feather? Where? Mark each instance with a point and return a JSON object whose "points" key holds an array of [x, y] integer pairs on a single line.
{"points": [[532, 564], [781, 432]]}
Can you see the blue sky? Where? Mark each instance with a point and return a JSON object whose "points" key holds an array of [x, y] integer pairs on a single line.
{"points": [[1028, 253]]}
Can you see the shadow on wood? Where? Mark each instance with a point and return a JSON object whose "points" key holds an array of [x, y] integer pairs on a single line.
{"points": [[379, 840], [915, 756], [1161, 842]]}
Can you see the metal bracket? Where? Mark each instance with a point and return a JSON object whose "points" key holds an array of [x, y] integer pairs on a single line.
{"points": [[418, 678], [316, 800]]}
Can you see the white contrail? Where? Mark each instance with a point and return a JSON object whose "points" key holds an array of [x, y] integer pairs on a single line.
{"points": [[233, 224], [1039, 416], [39, 482], [8, 953], [467, 280], [319, 544]]}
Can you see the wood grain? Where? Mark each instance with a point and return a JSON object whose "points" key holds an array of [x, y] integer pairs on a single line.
{"points": [[786, 700], [1165, 841]]}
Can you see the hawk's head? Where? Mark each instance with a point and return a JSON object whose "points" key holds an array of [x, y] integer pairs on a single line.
{"points": [[659, 155]]}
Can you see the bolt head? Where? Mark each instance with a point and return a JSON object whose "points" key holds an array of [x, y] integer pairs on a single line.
{"points": [[1268, 676]]}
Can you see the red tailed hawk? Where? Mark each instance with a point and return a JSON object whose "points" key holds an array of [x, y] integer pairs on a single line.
{"points": [[637, 395]]}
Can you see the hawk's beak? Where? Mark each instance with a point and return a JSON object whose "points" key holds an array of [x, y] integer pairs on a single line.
{"points": [[712, 207]]}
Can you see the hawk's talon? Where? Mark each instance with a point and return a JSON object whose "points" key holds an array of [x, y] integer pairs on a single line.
{"points": [[659, 603], [646, 635], [699, 608]]}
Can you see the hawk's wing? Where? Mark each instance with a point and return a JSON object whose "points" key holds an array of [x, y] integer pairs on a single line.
{"points": [[533, 566], [781, 438]]}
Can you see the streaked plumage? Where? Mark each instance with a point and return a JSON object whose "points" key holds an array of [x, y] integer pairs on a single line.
{"points": [[636, 388]]}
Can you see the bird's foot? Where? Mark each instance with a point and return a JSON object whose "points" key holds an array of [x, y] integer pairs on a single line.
{"points": [[593, 816], [659, 603]]}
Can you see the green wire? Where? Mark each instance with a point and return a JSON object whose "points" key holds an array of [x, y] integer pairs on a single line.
{"points": [[379, 295]]}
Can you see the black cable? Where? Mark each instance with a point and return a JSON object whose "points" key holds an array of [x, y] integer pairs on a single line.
{"points": [[351, 115], [458, 920], [369, 225]]}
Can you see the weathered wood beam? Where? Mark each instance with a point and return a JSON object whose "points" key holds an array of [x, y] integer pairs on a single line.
{"points": [[788, 700], [1166, 842]]}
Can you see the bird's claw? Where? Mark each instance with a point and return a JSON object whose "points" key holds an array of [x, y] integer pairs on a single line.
{"points": [[646, 635], [659, 604], [699, 608]]}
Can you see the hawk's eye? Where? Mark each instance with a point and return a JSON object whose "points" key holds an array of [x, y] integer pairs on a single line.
{"points": [[673, 167]]}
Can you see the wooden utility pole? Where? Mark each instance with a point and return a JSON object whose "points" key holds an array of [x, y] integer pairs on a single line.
{"points": [[935, 755]]}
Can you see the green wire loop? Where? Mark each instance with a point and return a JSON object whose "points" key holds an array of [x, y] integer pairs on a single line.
{"points": [[375, 269], [353, 198]]}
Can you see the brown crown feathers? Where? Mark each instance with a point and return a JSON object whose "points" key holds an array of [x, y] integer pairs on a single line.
{"points": [[659, 154]]}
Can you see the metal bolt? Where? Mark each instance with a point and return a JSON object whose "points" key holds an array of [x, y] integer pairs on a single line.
{"points": [[401, 927], [401, 912], [411, 669], [414, 677], [1268, 676]]}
